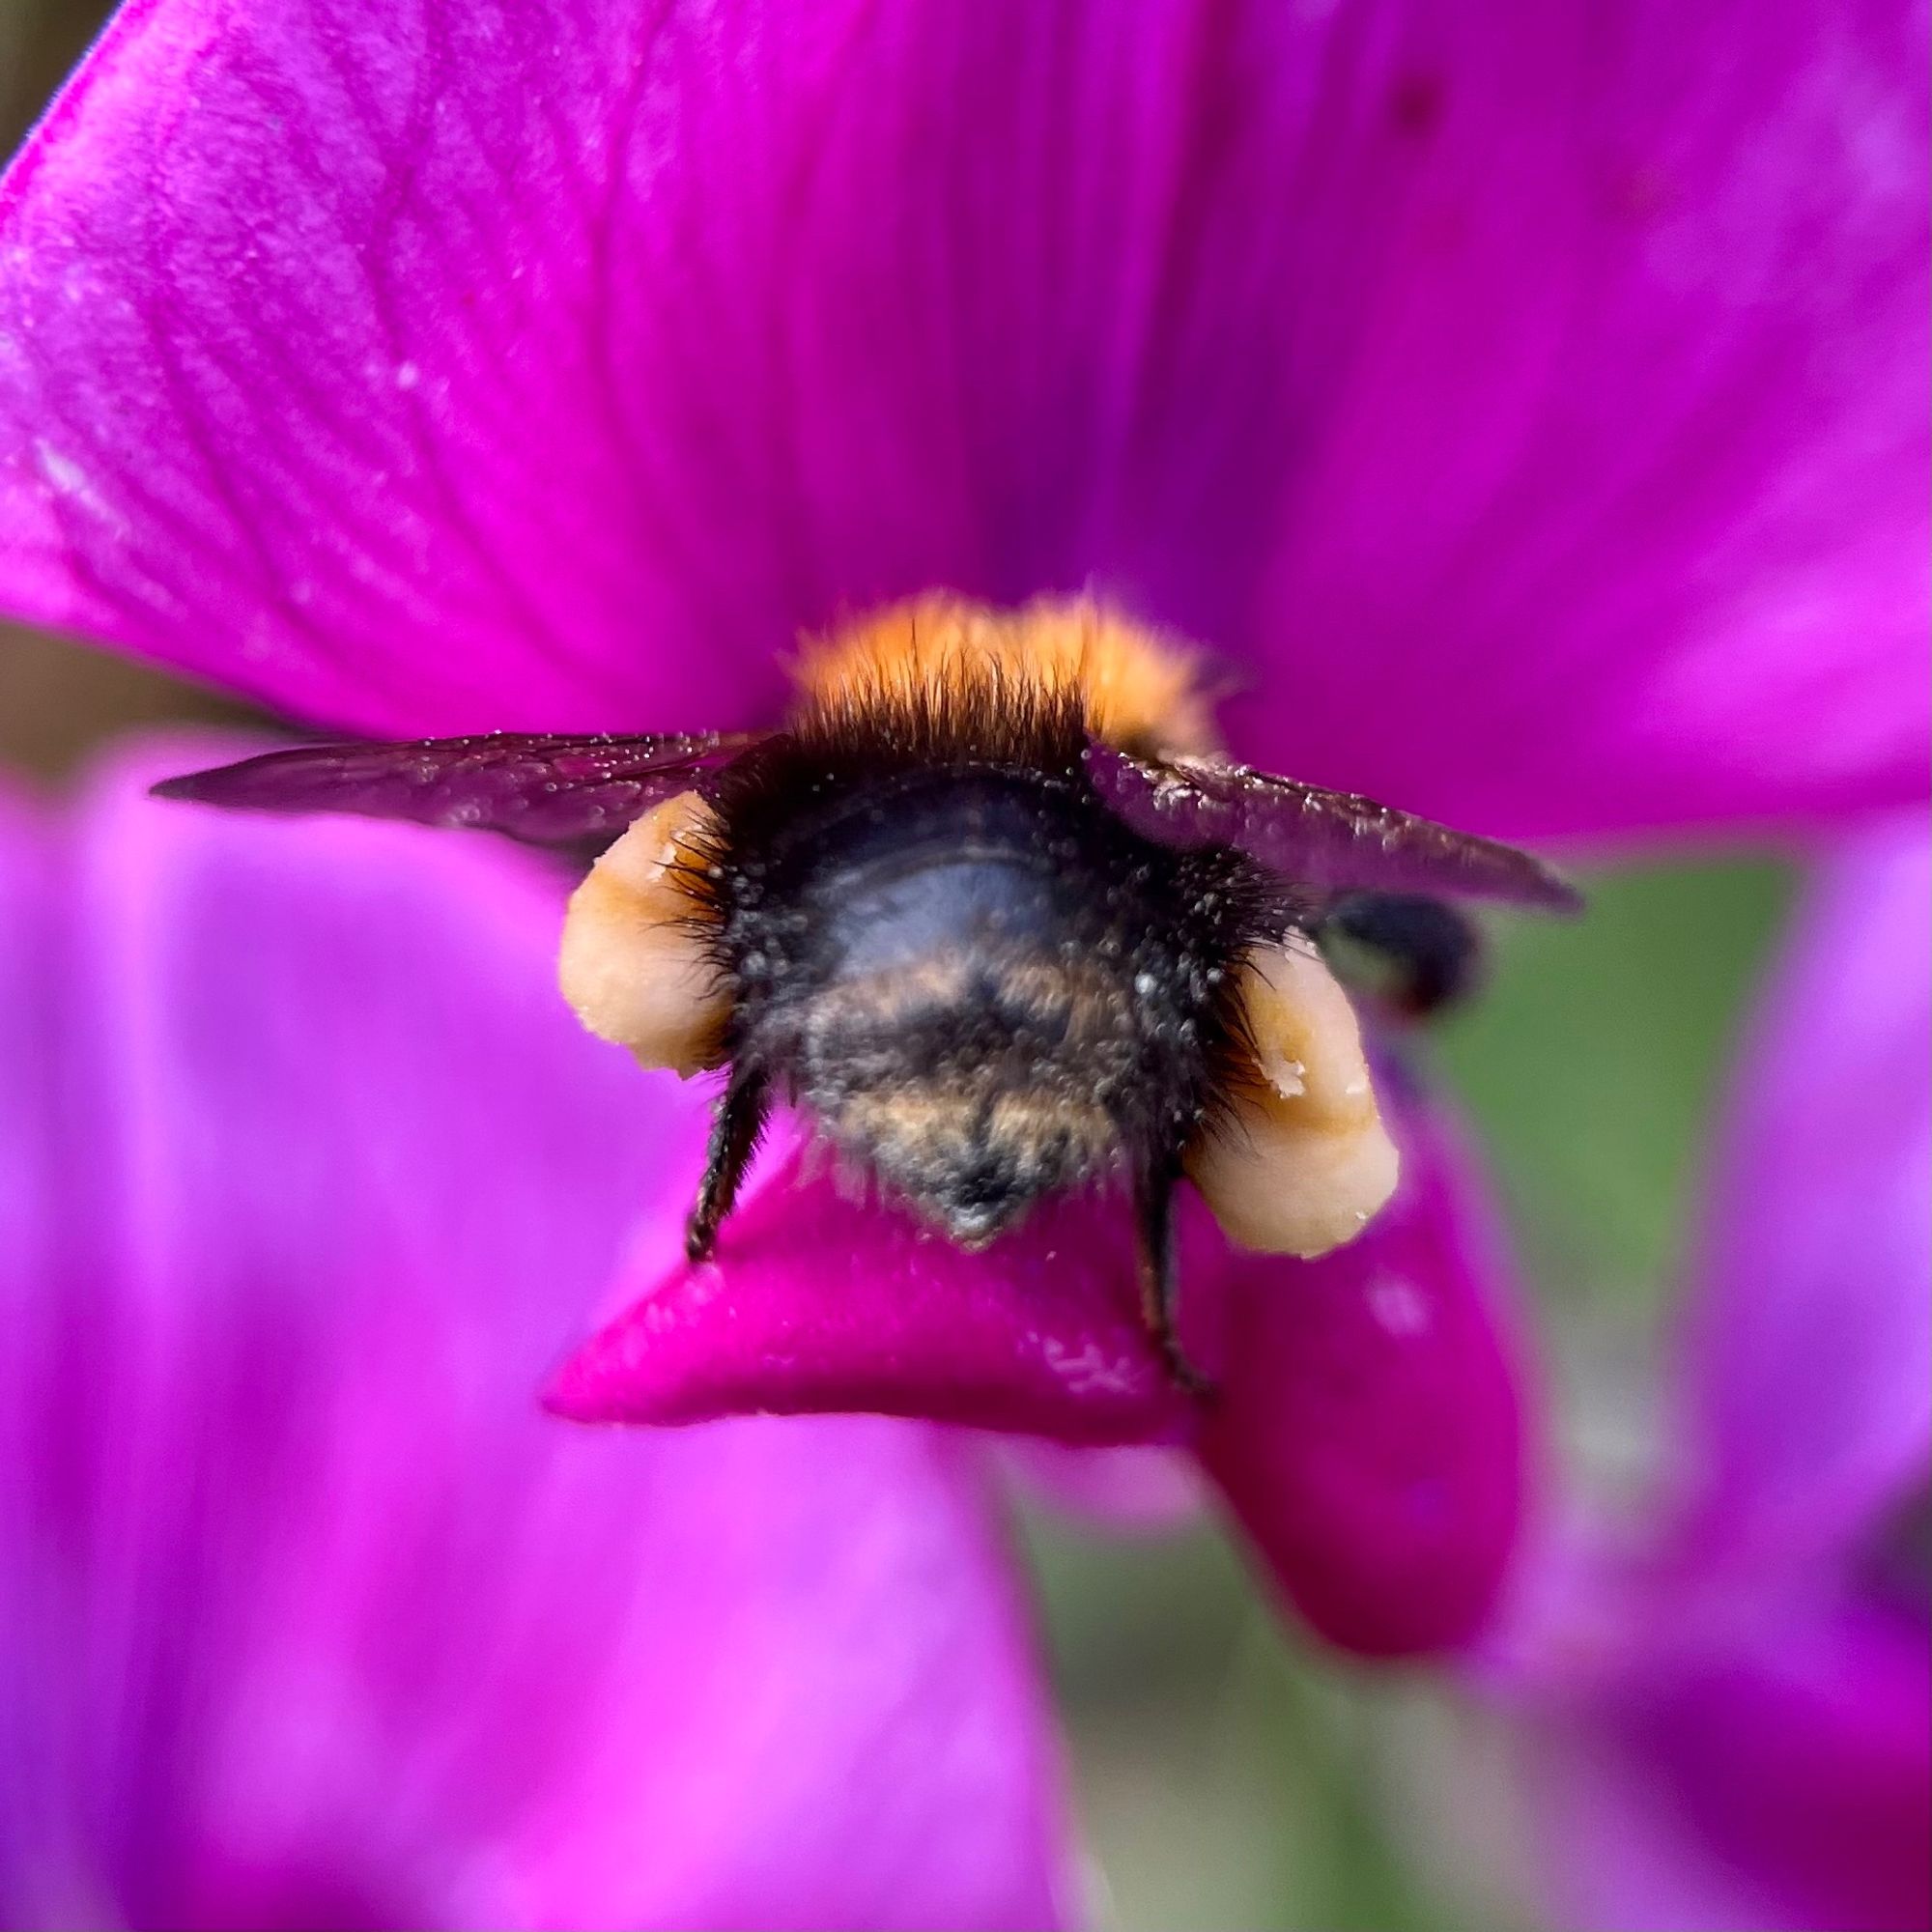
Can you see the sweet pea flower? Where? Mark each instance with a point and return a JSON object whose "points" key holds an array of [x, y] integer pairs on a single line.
{"points": [[1524, 402], [1729, 1715], [308, 1615]]}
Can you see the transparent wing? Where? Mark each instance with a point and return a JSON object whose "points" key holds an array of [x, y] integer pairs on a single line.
{"points": [[1331, 840], [547, 790]]}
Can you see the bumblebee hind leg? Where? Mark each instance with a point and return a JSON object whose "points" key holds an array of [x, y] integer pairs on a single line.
{"points": [[1160, 1294], [735, 1129]]}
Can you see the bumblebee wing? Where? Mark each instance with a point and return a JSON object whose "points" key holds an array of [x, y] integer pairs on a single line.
{"points": [[1332, 840], [547, 790]]}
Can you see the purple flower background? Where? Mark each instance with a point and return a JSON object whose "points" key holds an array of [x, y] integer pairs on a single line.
{"points": [[307, 1616], [1527, 366], [1526, 405], [1730, 1699]]}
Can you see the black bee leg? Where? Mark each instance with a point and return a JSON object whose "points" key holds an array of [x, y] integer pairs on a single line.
{"points": [[1154, 1207], [735, 1127]]}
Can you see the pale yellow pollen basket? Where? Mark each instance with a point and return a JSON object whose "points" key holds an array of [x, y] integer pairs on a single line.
{"points": [[1141, 692], [633, 964], [1304, 1161]]}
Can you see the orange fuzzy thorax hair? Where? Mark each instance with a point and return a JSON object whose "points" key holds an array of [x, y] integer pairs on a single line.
{"points": [[1139, 691]]}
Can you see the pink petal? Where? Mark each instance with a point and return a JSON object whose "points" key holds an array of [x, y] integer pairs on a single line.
{"points": [[1809, 1760], [1369, 1436], [1612, 1850], [1531, 401], [819, 1301], [1783, 1781], [313, 1617], [1806, 1385], [1145, 1490]]}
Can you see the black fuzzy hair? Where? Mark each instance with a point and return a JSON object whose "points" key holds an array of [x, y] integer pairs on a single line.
{"points": [[881, 739]]}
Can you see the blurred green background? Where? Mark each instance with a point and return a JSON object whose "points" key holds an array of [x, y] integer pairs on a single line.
{"points": [[1229, 1776]]}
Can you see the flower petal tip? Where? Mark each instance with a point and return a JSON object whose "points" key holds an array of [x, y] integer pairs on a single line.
{"points": [[1371, 1442], [819, 1302]]}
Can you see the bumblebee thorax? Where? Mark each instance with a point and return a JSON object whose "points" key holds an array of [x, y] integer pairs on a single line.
{"points": [[945, 658]]}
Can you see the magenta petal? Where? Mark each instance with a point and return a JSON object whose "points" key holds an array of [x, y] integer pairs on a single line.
{"points": [[1368, 1438], [1782, 1779], [1807, 1388], [1806, 1760], [308, 1615], [1613, 1849], [818, 1301], [1557, 374]]}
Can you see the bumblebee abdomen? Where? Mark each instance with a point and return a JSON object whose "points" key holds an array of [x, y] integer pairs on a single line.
{"points": [[982, 987], [971, 1079]]}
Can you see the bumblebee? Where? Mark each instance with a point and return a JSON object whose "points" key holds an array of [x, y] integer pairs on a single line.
{"points": [[994, 912]]}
